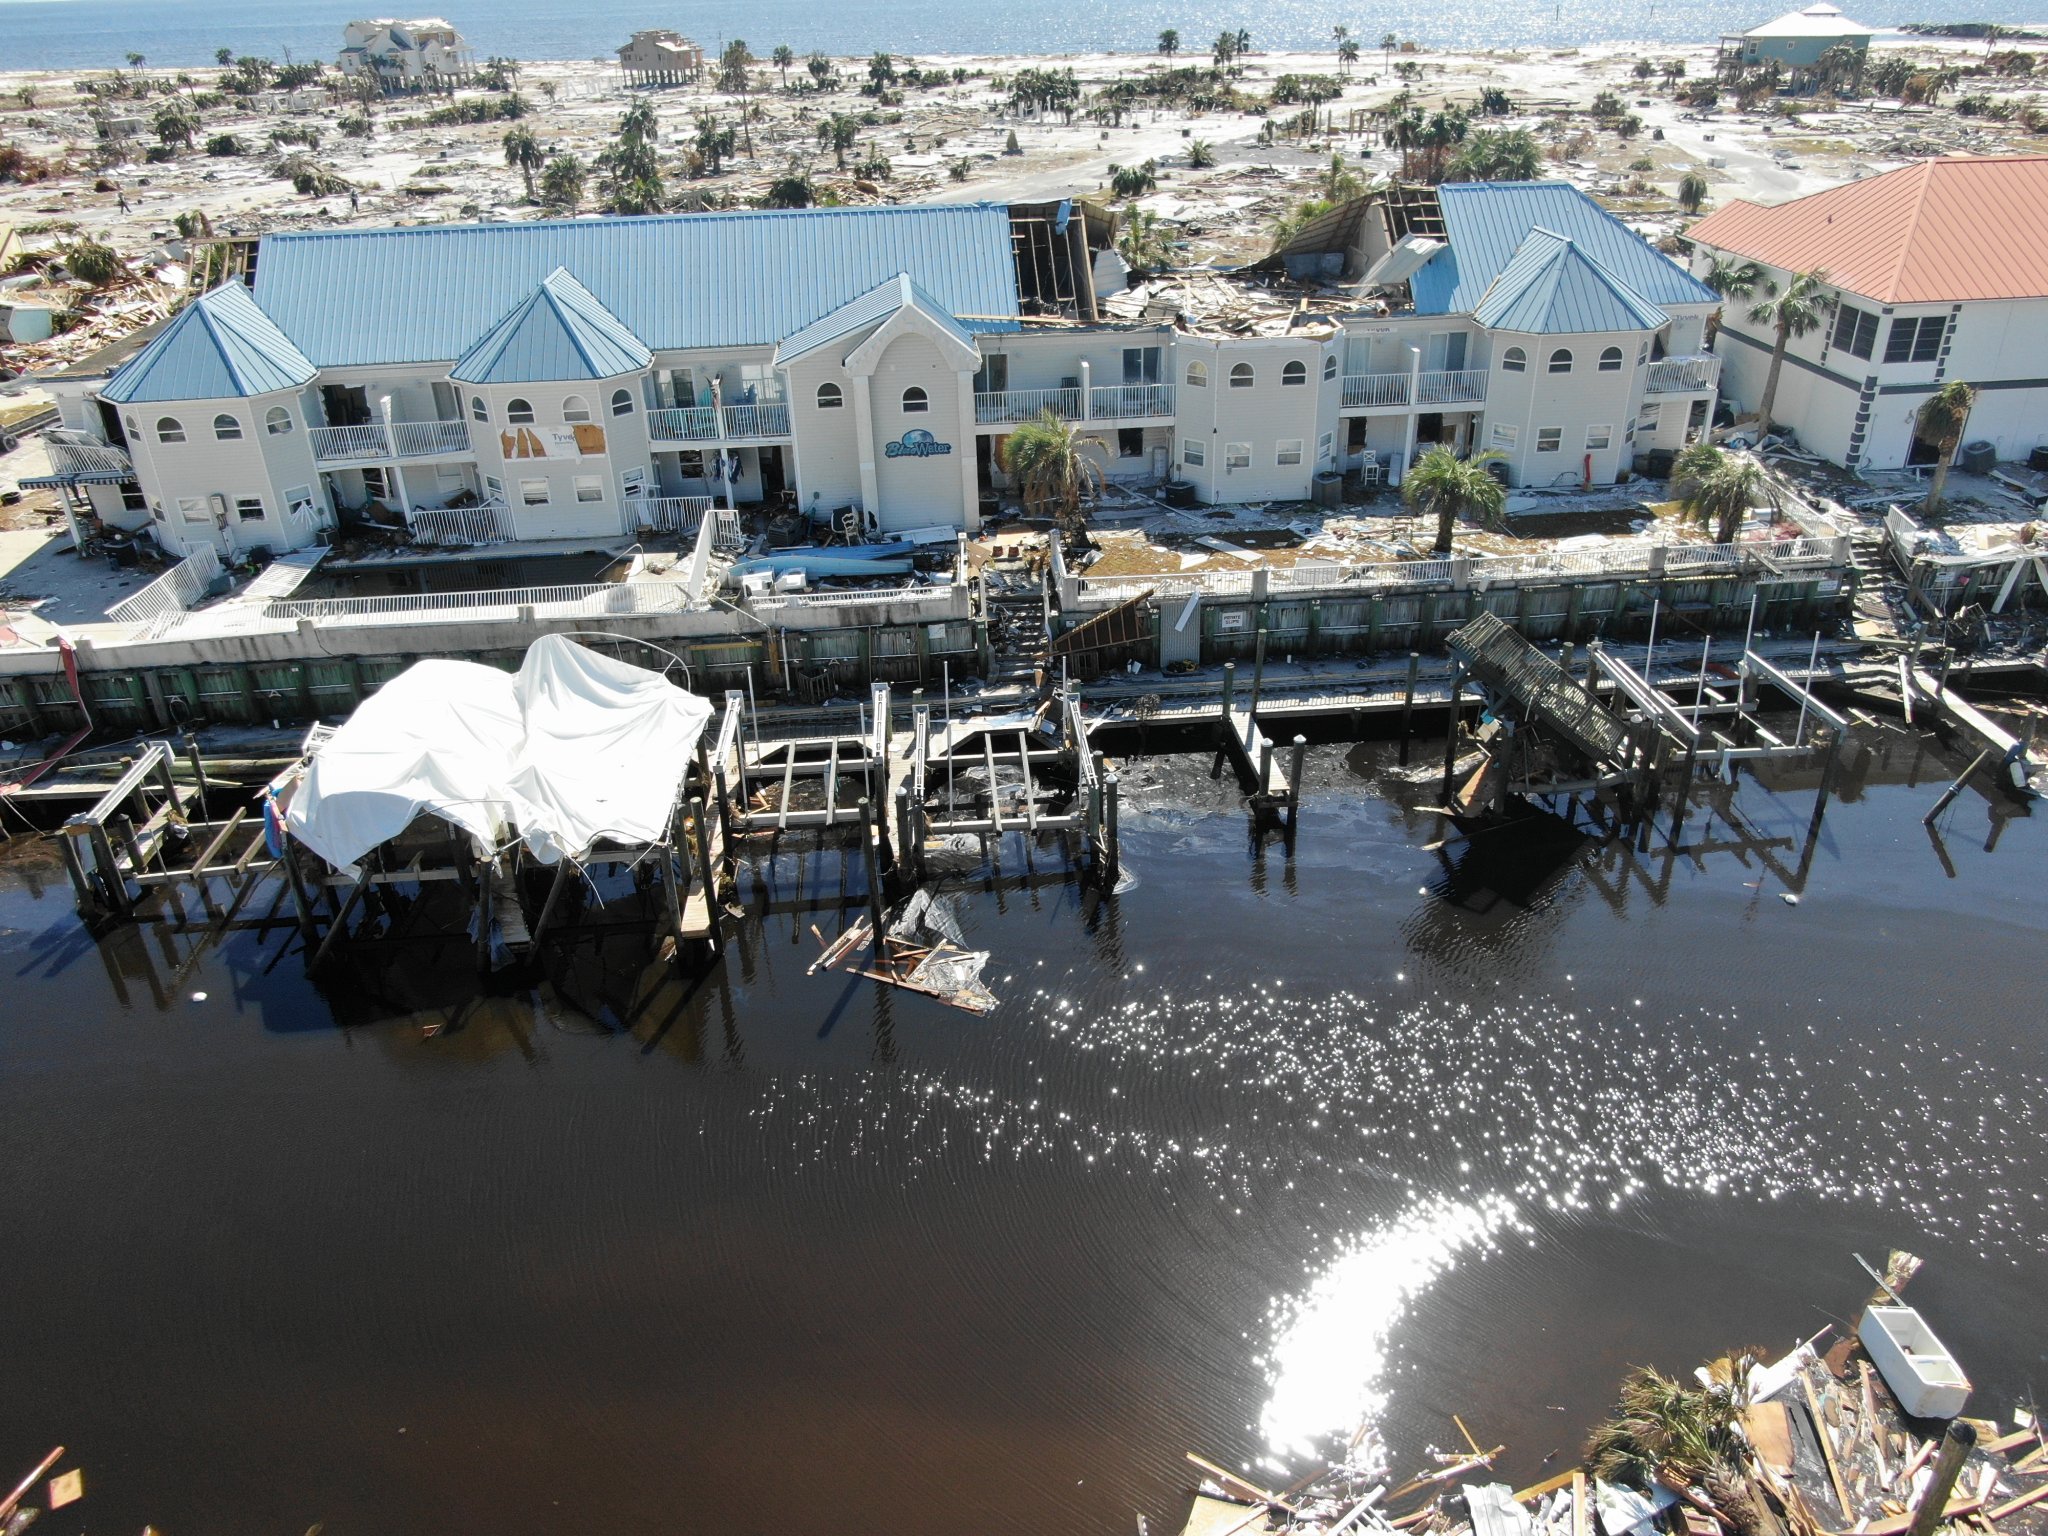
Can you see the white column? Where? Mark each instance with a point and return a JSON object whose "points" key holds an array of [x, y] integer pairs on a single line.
{"points": [[968, 452], [1087, 398], [864, 439], [1414, 406]]}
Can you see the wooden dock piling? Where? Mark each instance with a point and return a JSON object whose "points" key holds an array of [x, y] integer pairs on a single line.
{"points": [[1408, 704]]}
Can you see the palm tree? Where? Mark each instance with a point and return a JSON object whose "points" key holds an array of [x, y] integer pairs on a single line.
{"points": [[1201, 154], [176, 123], [784, 57], [1169, 42], [839, 133], [523, 152], [1802, 308], [1718, 489], [1731, 279], [1692, 191], [1053, 469], [1941, 422], [561, 184], [1448, 487], [1224, 49], [1387, 46], [638, 127], [732, 77], [1347, 54]]}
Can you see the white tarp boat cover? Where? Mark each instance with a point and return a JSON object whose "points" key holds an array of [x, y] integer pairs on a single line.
{"points": [[572, 748]]}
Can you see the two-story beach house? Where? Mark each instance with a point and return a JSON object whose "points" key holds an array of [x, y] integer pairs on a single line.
{"points": [[589, 379], [1940, 271], [426, 54]]}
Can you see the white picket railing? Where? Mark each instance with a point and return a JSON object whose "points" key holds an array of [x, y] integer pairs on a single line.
{"points": [[668, 514], [81, 453], [1462, 386], [1683, 375], [488, 523], [590, 599], [767, 419], [683, 424], [172, 593], [766, 603], [1372, 390], [422, 439], [1129, 402], [369, 441], [1022, 405]]}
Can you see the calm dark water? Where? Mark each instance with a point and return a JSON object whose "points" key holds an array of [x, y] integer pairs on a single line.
{"points": [[1253, 1148], [99, 34]]}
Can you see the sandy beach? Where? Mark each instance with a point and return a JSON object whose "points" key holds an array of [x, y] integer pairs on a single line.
{"points": [[947, 142]]}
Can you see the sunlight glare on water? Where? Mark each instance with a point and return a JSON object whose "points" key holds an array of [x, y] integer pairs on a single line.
{"points": [[1329, 1361]]}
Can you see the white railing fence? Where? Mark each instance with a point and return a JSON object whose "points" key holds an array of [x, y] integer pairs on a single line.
{"points": [[488, 523], [1022, 405], [1111, 402], [171, 594], [683, 424], [1375, 389], [1683, 375], [370, 441], [418, 439], [1463, 386]]}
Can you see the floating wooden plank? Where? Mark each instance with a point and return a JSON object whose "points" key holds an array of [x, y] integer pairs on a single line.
{"points": [[1827, 1449]]}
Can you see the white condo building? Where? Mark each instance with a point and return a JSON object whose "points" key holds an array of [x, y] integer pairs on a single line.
{"points": [[586, 379]]}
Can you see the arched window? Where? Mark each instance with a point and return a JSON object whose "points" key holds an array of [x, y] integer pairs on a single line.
{"points": [[169, 430], [915, 400], [1561, 361], [1198, 375], [519, 412], [277, 421], [575, 408], [830, 397], [1295, 372], [1330, 366], [1241, 376], [128, 426], [622, 402], [478, 409], [1610, 360], [1514, 360], [226, 429]]}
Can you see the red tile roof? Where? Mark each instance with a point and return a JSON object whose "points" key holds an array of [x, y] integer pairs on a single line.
{"points": [[1937, 232]]}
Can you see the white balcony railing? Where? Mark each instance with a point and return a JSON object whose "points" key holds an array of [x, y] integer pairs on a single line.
{"points": [[457, 527], [80, 453], [1021, 405], [1465, 386], [668, 514], [422, 439], [1683, 375], [1130, 402], [700, 423], [1373, 390], [683, 424], [364, 442], [770, 418], [394, 440]]}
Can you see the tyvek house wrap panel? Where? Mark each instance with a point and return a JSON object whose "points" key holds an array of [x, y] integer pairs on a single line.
{"points": [[573, 748]]}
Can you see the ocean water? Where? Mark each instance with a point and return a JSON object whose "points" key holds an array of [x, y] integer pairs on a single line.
{"points": [[85, 34]]}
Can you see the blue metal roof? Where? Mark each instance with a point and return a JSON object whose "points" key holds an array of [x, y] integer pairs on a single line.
{"points": [[877, 304], [362, 296], [220, 346], [1487, 221], [1554, 288], [557, 332]]}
